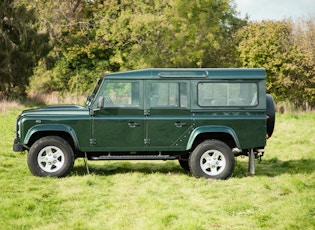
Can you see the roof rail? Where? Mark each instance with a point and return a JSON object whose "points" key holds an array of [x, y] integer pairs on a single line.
{"points": [[183, 74]]}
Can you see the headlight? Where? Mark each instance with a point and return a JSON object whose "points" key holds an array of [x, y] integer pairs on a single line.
{"points": [[18, 128]]}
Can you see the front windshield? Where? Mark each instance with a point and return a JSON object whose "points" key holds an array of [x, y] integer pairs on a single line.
{"points": [[92, 96]]}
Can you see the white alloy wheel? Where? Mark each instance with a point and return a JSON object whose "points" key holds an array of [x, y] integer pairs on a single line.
{"points": [[50, 156], [212, 159], [212, 162], [51, 159]]}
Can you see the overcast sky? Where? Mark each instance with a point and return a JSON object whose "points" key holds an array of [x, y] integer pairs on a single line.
{"points": [[276, 9]]}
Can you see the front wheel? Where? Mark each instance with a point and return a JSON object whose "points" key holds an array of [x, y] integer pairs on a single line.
{"points": [[50, 156], [212, 159]]}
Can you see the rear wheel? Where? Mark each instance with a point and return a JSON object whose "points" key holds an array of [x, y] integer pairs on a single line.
{"points": [[184, 164], [212, 159], [50, 156]]}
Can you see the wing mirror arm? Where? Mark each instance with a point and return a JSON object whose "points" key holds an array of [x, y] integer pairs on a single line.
{"points": [[101, 102], [100, 105]]}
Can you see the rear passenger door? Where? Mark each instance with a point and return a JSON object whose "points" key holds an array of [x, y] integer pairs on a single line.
{"points": [[168, 115]]}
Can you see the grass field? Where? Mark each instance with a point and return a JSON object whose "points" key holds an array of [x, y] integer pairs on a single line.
{"points": [[160, 195]]}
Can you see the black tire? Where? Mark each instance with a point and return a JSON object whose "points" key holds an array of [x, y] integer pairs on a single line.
{"points": [[212, 159], [184, 164], [50, 156], [271, 114]]}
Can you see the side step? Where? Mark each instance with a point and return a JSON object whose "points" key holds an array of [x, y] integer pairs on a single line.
{"points": [[133, 157]]}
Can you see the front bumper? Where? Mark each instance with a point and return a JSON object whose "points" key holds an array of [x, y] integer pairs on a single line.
{"points": [[17, 146]]}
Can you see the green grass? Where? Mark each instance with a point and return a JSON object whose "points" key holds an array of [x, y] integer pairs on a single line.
{"points": [[160, 195]]}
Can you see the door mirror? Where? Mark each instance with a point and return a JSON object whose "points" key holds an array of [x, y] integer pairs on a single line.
{"points": [[101, 102]]}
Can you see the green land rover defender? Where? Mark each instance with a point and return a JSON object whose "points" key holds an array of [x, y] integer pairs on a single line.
{"points": [[203, 118]]}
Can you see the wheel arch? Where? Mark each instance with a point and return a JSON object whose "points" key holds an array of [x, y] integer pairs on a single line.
{"points": [[222, 133], [63, 131]]}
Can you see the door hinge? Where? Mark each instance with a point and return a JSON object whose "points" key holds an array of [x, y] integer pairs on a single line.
{"points": [[93, 141], [147, 141]]}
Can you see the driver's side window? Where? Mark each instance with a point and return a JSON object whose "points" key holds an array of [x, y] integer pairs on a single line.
{"points": [[121, 94]]}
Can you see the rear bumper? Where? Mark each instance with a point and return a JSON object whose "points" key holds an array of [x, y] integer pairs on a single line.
{"points": [[17, 146]]}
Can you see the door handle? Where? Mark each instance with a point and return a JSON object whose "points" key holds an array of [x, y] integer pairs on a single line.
{"points": [[133, 124], [179, 124]]}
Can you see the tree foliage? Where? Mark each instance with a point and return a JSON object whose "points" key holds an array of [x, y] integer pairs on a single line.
{"points": [[171, 33], [20, 47], [89, 37], [285, 52], [304, 37], [100, 36]]}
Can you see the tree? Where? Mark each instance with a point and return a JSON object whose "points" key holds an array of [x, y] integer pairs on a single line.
{"points": [[304, 37], [20, 48], [76, 59], [276, 46], [100, 36], [171, 33]]}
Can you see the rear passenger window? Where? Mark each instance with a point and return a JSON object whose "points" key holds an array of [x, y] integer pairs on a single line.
{"points": [[168, 94], [227, 94]]}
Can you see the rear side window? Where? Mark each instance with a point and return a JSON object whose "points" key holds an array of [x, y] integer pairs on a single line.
{"points": [[216, 94], [168, 94]]}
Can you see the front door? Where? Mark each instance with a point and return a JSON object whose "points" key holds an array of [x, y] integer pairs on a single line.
{"points": [[120, 124]]}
